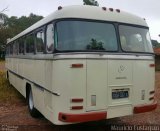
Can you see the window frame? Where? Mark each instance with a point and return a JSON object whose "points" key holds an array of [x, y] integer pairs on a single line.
{"points": [[23, 39], [15, 45], [131, 25], [31, 33], [8, 50], [46, 51], [37, 31], [11, 49], [87, 20]]}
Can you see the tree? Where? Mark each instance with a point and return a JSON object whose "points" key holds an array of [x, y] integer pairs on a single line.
{"points": [[3, 17], [90, 2], [95, 45], [155, 44], [3, 20], [3, 34], [14, 25], [19, 24]]}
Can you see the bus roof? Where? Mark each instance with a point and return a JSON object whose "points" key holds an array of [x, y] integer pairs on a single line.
{"points": [[86, 12]]}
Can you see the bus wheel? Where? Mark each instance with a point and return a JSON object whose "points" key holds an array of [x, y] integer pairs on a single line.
{"points": [[7, 75], [33, 111]]}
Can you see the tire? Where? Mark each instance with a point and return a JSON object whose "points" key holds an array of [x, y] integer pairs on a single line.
{"points": [[7, 76], [33, 111]]}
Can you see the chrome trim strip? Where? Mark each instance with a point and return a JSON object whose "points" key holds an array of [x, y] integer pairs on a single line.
{"points": [[93, 55], [37, 85], [120, 85]]}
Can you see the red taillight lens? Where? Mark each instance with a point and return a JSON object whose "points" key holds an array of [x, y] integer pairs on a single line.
{"points": [[77, 65], [151, 92], [76, 107], [152, 65], [77, 100], [152, 98]]}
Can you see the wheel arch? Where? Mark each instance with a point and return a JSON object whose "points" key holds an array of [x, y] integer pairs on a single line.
{"points": [[28, 88]]}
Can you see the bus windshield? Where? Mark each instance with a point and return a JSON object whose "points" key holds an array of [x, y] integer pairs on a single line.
{"points": [[85, 36], [135, 39]]}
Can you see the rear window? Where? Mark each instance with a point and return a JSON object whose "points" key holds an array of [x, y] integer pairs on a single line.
{"points": [[85, 36], [135, 39]]}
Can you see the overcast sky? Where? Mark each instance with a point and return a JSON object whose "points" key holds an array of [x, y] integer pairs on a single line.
{"points": [[148, 9]]}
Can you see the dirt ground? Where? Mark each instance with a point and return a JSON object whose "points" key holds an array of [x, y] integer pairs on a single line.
{"points": [[14, 116]]}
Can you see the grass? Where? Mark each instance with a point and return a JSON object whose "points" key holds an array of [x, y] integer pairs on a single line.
{"points": [[7, 92], [2, 61]]}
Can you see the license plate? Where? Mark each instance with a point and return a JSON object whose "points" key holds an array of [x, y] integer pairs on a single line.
{"points": [[119, 94]]}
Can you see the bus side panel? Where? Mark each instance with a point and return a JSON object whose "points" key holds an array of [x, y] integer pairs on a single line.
{"points": [[49, 71], [143, 79], [38, 98], [38, 72], [17, 82], [97, 92], [69, 83]]}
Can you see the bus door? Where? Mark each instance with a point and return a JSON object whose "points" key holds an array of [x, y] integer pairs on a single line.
{"points": [[109, 83]]}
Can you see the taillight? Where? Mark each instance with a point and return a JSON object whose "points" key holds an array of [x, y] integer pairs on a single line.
{"points": [[151, 92], [78, 65], [152, 65], [151, 98], [77, 100], [152, 95], [76, 104], [76, 107]]}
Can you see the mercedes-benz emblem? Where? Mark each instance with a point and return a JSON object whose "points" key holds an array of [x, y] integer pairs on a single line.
{"points": [[121, 68]]}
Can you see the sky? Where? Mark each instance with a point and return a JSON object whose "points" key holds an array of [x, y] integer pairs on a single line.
{"points": [[148, 9]]}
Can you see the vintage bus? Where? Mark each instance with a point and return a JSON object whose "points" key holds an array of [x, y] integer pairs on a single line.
{"points": [[84, 63]]}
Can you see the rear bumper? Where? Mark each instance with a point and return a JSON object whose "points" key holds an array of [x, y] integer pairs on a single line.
{"points": [[84, 117], [145, 108], [95, 116]]}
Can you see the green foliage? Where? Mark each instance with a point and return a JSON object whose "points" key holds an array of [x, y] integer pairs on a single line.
{"points": [[3, 19], [20, 24], [155, 44], [95, 45], [90, 2], [14, 25]]}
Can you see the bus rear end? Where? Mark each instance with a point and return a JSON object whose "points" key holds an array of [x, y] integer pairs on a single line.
{"points": [[108, 70]]}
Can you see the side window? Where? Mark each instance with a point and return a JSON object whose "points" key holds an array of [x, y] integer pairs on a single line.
{"points": [[21, 45], [50, 38], [40, 41], [30, 43], [7, 50], [11, 49], [15, 48]]}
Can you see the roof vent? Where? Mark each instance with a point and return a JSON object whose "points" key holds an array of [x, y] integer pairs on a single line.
{"points": [[104, 8], [111, 9], [59, 7], [118, 10]]}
